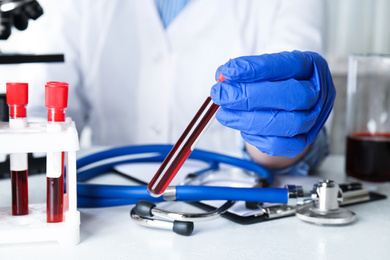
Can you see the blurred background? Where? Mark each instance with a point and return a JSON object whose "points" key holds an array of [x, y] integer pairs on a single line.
{"points": [[353, 26]]}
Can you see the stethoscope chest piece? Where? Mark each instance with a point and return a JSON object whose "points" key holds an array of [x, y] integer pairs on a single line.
{"points": [[325, 210]]}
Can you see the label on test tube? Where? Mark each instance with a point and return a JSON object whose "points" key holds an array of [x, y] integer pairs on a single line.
{"points": [[18, 123], [18, 161], [54, 164]]}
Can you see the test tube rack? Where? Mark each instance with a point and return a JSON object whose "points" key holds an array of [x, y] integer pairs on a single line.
{"points": [[38, 138]]}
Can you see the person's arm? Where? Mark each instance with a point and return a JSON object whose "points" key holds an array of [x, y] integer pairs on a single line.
{"points": [[273, 162]]}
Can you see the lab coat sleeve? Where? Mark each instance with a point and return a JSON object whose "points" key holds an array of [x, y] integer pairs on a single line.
{"points": [[297, 25]]}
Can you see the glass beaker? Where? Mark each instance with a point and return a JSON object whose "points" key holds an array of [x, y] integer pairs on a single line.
{"points": [[368, 118]]}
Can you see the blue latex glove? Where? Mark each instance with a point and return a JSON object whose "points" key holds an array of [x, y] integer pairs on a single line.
{"points": [[279, 102]]}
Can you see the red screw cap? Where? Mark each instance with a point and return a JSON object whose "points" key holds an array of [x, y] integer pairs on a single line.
{"points": [[56, 94], [17, 93], [56, 100], [17, 98]]}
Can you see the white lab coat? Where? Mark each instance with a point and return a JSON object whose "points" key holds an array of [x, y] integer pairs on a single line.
{"points": [[135, 82]]}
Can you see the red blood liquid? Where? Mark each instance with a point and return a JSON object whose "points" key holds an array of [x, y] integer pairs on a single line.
{"points": [[368, 156], [182, 149], [55, 198], [19, 192]]}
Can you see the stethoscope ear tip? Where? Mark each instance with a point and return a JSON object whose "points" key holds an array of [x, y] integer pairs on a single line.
{"points": [[144, 208], [142, 213], [183, 228]]}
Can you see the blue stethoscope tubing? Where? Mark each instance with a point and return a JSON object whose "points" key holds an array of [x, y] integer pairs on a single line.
{"points": [[99, 195]]}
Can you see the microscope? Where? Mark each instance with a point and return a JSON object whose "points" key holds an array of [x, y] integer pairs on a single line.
{"points": [[17, 14]]}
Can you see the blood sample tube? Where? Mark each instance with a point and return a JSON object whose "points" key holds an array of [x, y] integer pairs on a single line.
{"points": [[183, 147], [56, 101], [17, 99]]}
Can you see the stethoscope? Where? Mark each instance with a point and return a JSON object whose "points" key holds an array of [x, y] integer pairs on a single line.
{"points": [[323, 199], [97, 195]]}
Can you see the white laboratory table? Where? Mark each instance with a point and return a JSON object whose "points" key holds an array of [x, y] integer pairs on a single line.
{"points": [[108, 233]]}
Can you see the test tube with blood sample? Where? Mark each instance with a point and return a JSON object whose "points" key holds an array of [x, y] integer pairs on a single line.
{"points": [[17, 99], [56, 101], [183, 147]]}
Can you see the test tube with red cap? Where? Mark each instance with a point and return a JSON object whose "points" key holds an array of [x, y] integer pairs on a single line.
{"points": [[17, 99], [183, 147], [56, 101]]}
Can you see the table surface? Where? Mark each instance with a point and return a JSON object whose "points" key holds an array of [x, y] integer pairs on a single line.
{"points": [[108, 233]]}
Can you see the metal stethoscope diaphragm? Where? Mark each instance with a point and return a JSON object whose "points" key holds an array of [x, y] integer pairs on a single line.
{"points": [[324, 209]]}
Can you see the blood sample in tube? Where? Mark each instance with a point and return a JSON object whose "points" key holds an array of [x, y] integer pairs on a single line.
{"points": [[17, 99], [56, 101], [183, 147]]}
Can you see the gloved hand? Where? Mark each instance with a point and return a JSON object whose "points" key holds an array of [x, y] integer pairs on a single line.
{"points": [[279, 102]]}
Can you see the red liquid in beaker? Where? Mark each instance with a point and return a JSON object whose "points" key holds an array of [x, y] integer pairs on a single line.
{"points": [[19, 192], [368, 156]]}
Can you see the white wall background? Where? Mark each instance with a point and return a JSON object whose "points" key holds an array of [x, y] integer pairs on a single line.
{"points": [[356, 26]]}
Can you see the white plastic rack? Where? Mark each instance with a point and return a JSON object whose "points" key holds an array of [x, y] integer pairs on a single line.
{"points": [[37, 137]]}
